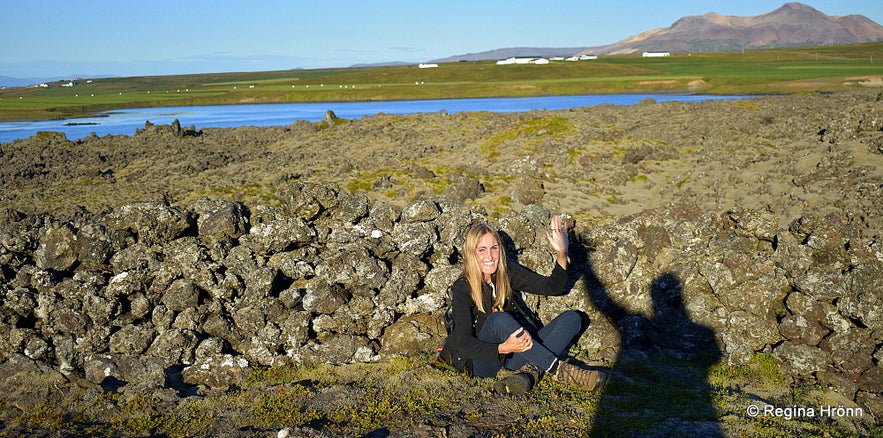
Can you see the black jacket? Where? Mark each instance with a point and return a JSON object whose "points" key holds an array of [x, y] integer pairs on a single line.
{"points": [[468, 321]]}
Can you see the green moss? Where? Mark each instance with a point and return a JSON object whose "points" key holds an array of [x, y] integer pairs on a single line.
{"points": [[357, 185], [280, 405], [638, 177], [531, 133], [45, 416], [763, 368]]}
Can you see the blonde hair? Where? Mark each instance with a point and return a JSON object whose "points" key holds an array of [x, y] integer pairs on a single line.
{"points": [[472, 268]]}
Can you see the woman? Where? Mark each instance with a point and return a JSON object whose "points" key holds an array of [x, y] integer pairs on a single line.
{"points": [[491, 330]]}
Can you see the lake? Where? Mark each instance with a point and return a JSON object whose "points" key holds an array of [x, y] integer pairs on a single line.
{"points": [[126, 121]]}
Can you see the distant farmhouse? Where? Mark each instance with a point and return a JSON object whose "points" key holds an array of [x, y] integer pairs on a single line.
{"points": [[541, 61], [656, 54]]}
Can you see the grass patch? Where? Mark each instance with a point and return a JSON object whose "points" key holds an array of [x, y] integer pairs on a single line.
{"points": [[528, 135], [749, 72], [405, 394]]}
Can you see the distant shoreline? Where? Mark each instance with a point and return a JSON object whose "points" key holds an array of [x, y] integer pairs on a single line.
{"points": [[760, 72], [128, 121]]}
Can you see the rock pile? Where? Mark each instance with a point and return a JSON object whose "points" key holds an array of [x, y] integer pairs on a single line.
{"points": [[155, 295]]}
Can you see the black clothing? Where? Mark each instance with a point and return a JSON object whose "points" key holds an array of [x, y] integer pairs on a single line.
{"points": [[468, 321]]}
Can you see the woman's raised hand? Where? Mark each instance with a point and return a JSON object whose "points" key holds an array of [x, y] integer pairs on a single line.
{"points": [[557, 235]]}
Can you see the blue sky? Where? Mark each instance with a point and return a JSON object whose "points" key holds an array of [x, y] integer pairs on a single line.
{"points": [[50, 38]]}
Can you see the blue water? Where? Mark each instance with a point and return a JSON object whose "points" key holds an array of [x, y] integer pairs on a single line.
{"points": [[126, 121]]}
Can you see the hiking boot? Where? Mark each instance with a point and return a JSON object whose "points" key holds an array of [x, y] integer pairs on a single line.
{"points": [[522, 381], [566, 372]]}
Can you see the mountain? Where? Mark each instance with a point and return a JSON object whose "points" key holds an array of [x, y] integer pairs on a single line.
{"points": [[792, 25]]}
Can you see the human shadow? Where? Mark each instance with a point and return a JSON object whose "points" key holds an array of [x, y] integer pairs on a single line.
{"points": [[659, 385]]}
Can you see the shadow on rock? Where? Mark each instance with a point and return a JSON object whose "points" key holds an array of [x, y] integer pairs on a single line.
{"points": [[659, 385]]}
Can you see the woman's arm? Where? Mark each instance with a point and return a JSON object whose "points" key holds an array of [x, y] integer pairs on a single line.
{"points": [[463, 338], [526, 280]]}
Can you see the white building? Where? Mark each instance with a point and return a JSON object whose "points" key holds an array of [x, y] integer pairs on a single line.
{"points": [[656, 54], [428, 66], [514, 60]]}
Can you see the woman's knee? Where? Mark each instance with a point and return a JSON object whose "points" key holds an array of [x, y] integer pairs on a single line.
{"points": [[571, 318], [498, 327]]}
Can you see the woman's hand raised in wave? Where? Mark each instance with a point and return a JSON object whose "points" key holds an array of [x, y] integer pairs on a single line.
{"points": [[557, 235]]}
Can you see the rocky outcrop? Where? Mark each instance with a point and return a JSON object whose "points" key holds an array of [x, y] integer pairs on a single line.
{"points": [[171, 296]]}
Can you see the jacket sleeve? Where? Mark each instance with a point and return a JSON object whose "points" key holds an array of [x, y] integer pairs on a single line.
{"points": [[463, 338], [525, 280]]}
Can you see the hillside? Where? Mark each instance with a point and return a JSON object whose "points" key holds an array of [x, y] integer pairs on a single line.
{"points": [[792, 25]]}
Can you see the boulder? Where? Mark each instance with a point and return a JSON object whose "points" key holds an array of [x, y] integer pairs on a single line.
{"points": [[152, 223]]}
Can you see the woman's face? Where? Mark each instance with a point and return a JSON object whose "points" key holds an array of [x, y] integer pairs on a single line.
{"points": [[488, 255]]}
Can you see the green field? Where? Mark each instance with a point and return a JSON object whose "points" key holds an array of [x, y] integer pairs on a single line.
{"points": [[794, 70]]}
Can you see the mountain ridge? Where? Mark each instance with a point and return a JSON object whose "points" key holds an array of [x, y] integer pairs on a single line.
{"points": [[791, 25]]}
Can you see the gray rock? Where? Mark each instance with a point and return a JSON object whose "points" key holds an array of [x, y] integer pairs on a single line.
{"points": [[182, 294], [415, 238], [802, 359], [58, 247], [798, 329], [871, 380], [324, 298], [351, 208], [413, 334], [850, 351], [221, 221], [355, 268], [220, 326], [18, 232], [216, 371], [175, 346], [801, 304], [421, 211], [278, 236], [866, 284], [307, 200], [93, 245], [292, 265], [329, 278], [152, 223], [143, 370], [338, 349]]}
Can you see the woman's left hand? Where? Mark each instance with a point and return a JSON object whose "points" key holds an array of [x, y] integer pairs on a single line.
{"points": [[557, 234]]}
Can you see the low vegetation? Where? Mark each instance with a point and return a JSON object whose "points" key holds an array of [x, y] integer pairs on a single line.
{"points": [[406, 394], [832, 68]]}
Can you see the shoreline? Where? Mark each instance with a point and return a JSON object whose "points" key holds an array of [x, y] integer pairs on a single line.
{"points": [[202, 116]]}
